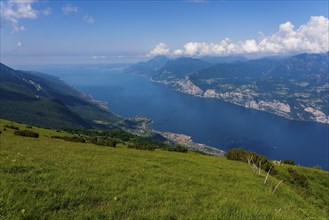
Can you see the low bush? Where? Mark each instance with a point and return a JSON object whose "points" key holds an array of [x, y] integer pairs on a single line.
{"points": [[11, 127], [242, 155], [298, 179], [178, 148], [237, 154], [26, 133], [291, 162], [142, 146], [108, 143]]}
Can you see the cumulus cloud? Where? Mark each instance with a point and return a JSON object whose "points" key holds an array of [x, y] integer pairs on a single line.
{"points": [[19, 9], [160, 49], [68, 9], [88, 19], [13, 11], [19, 44], [312, 37]]}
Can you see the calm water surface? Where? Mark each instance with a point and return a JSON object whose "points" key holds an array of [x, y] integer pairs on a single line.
{"points": [[209, 121]]}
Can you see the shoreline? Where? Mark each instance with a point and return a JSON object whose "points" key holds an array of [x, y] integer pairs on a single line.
{"points": [[143, 129], [195, 91]]}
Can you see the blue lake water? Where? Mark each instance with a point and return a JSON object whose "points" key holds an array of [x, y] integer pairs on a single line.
{"points": [[209, 121]]}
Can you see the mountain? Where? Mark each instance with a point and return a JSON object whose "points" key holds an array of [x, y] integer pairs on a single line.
{"points": [[45, 100], [294, 87], [237, 72], [225, 59], [149, 66], [179, 68], [310, 68], [163, 68]]}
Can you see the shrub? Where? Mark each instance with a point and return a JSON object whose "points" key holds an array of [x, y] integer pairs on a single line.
{"points": [[142, 146], [292, 162], [237, 154], [11, 127], [178, 148], [74, 139], [28, 126], [297, 178], [108, 143], [242, 155], [26, 133]]}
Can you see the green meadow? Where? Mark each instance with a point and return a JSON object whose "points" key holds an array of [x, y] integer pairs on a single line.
{"points": [[48, 178]]}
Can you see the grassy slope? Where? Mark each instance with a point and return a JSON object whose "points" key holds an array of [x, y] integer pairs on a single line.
{"points": [[49, 178]]}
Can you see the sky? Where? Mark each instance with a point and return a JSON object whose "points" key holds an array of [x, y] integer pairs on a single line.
{"points": [[65, 32]]}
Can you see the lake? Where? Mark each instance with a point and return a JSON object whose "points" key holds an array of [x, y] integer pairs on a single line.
{"points": [[209, 121]]}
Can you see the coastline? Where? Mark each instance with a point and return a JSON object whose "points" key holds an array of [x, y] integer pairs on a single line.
{"points": [[143, 129], [274, 107]]}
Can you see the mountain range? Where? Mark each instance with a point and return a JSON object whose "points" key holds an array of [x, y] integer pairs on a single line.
{"points": [[295, 87]]}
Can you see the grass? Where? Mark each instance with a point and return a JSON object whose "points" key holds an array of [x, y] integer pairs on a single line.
{"points": [[46, 178]]}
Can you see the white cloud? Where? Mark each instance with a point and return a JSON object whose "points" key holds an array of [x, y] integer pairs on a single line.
{"points": [[19, 44], [13, 11], [19, 9], [88, 19], [250, 46], [47, 11], [68, 9], [312, 37], [160, 49]]}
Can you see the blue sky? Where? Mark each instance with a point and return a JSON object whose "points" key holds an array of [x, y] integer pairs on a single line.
{"points": [[42, 32]]}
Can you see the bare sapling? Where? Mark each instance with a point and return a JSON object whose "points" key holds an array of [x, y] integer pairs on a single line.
{"points": [[277, 186], [268, 172]]}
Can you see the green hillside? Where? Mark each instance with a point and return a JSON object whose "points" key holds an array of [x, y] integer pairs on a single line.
{"points": [[44, 100], [50, 178]]}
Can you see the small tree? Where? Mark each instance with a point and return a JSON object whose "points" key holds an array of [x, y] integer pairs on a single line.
{"points": [[237, 154]]}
